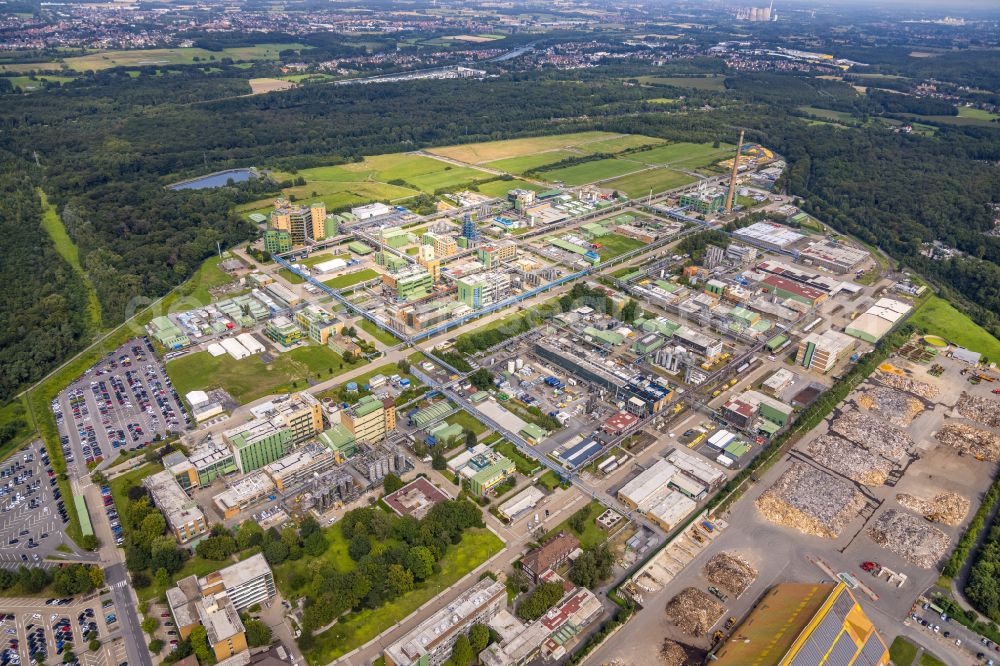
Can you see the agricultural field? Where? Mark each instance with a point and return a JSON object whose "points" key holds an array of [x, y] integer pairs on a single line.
{"points": [[26, 67], [658, 180], [178, 56], [978, 114], [499, 188], [685, 155], [266, 85], [491, 151], [590, 172], [250, 378], [836, 116], [621, 143], [519, 165], [939, 317], [715, 83], [29, 83]]}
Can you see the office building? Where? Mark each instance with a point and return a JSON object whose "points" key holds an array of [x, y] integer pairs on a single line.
{"points": [[805, 624], [483, 289], [741, 254], [302, 223], [277, 241], [496, 253], [369, 419], [184, 519], [444, 246], [215, 601], [486, 471], [283, 331], [258, 443], [821, 351], [432, 641], [549, 555], [318, 324]]}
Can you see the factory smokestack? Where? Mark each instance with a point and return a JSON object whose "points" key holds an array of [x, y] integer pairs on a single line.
{"points": [[732, 178]]}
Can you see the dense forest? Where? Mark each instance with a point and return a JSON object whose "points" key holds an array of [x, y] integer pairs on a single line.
{"points": [[105, 148]]}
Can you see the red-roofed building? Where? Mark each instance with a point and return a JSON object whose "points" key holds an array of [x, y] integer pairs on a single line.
{"points": [[784, 288], [619, 423], [739, 413]]}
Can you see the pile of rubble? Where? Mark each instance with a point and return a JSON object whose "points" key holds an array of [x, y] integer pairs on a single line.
{"points": [[981, 410], [914, 539], [913, 386], [731, 571], [894, 406], [948, 508], [672, 654], [874, 434], [811, 501], [850, 460], [694, 612], [982, 444]]}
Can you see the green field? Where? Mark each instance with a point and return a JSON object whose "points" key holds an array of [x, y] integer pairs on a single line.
{"points": [[250, 378], [613, 245], [621, 143], [16, 412], [499, 188], [938, 316], [838, 116], [549, 480], [208, 276], [978, 114], [715, 83], [589, 172], [902, 652], [335, 554], [68, 250], [351, 279], [356, 629], [688, 155], [518, 165], [178, 56], [658, 180], [491, 151], [383, 336], [293, 278], [27, 84], [592, 535], [467, 421], [522, 463]]}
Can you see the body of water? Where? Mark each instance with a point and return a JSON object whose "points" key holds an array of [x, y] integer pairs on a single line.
{"points": [[214, 180]]}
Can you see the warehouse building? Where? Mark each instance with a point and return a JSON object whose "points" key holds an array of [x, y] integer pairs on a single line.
{"points": [[697, 468], [791, 290], [432, 641], [521, 503], [833, 256], [167, 333], [770, 236], [805, 624], [369, 211], [184, 519], [643, 489], [878, 320], [662, 494], [822, 351]]}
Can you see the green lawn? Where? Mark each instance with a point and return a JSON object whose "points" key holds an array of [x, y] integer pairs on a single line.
{"points": [[250, 378], [67, 249], [940, 317], [621, 143], [549, 480], [518, 165], [591, 535], [638, 185], [613, 245], [684, 152], [27, 84], [523, 464], [16, 412], [589, 172], [356, 629], [351, 279], [979, 114], [335, 554], [927, 659], [383, 336], [467, 421], [902, 651]]}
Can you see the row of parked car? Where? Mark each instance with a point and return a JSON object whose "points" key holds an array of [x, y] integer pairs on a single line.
{"points": [[112, 511]]}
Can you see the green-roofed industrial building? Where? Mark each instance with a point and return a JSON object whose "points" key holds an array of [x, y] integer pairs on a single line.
{"points": [[486, 471], [604, 337], [359, 248], [428, 415], [167, 334], [533, 433], [340, 440], [445, 433]]}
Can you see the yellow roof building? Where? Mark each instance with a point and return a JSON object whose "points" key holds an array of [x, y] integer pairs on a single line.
{"points": [[805, 624]]}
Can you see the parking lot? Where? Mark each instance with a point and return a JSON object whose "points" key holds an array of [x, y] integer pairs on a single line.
{"points": [[31, 508], [120, 404], [44, 630]]}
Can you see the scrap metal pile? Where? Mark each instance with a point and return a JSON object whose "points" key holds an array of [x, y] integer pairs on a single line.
{"points": [[894, 406], [811, 501], [694, 612], [980, 410], [850, 460], [982, 444], [948, 508], [874, 434], [899, 382], [731, 571], [912, 538]]}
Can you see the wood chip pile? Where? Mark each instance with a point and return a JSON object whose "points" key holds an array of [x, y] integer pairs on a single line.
{"points": [[694, 612], [912, 538], [672, 654], [850, 460], [874, 434], [917, 388], [894, 406], [948, 508], [811, 501], [980, 410], [730, 571], [982, 444]]}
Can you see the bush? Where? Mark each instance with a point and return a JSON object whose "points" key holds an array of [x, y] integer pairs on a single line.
{"points": [[541, 599], [155, 646]]}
